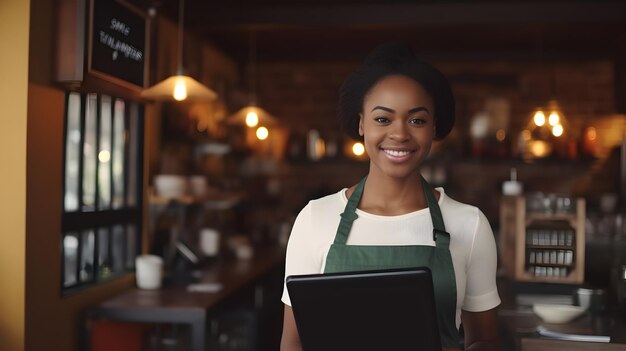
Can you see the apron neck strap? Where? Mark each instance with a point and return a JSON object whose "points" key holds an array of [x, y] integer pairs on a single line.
{"points": [[349, 214], [441, 237]]}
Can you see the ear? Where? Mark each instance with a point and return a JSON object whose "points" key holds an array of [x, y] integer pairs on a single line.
{"points": [[361, 124]]}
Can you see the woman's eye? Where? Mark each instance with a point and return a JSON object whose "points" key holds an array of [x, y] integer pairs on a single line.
{"points": [[417, 121], [381, 119]]}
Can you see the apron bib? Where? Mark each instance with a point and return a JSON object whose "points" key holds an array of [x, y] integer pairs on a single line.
{"points": [[348, 258]]}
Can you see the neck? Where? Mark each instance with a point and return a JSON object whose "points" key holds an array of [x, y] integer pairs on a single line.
{"points": [[389, 196]]}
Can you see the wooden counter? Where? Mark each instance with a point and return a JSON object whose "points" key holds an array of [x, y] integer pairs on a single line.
{"points": [[177, 305]]}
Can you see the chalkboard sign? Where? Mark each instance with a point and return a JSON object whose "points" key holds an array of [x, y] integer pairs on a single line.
{"points": [[117, 45]]}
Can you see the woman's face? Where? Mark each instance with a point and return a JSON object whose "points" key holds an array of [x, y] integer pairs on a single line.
{"points": [[398, 125]]}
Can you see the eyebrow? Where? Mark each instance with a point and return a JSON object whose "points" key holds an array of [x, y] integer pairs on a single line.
{"points": [[411, 111]]}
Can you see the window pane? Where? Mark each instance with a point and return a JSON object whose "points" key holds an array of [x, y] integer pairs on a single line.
{"points": [[118, 249], [89, 154], [104, 154], [119, 139], [70, 259], [104, 261], [133, 154], [87, 255], [131, 246], [72, 152]]}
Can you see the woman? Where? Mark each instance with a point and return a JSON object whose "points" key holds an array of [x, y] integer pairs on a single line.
{"points": [[398, 105]]}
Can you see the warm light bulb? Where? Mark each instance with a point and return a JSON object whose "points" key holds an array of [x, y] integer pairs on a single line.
{"points": [[358, 149], [540, 118], [591, 133], [500, 135], [553, 119], [180, 90], [540, 148], [252, 119], [526, 134], [262, 133], [557, 130], [104, 156]]}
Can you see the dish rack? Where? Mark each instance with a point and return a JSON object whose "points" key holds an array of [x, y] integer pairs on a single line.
{"points": [[546, 245]]}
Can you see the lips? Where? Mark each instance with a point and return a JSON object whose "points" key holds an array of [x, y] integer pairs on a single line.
{"points": [[398, 155]]}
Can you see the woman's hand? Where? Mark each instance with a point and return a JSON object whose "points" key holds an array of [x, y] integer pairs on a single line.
{"points": [[290, 340], [481, 330]]}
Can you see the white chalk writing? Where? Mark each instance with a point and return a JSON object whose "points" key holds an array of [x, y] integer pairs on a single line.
{"points": [[129, 51], [119, 26]]}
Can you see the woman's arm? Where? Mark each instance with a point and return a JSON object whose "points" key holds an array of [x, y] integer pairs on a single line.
{"points": [[481, 330], [290, 340]]}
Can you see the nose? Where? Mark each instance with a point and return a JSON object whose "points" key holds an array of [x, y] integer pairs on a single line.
{"points": [[399, 132]]}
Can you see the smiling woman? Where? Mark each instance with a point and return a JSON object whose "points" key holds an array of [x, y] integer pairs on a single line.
{"points": [[399, 129], [397, 105]]}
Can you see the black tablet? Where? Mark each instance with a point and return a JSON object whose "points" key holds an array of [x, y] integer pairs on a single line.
{"points": [[372, 310]]}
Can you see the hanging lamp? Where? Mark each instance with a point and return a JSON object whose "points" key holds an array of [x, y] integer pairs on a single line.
{"points": [[547, 124], [252, 115], [179, 87]]}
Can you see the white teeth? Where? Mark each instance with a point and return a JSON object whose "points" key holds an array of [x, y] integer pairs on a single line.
{"points": [[397, 153]]}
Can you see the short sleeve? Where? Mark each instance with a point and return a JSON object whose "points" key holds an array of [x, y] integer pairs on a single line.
{"points": [[301, 257], [481, 292]]}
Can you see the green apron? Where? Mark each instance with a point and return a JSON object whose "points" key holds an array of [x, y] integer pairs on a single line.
{"points": [[346, 258]]}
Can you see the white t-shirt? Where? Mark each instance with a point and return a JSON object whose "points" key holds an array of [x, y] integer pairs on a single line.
{"points": [[472, 244]]}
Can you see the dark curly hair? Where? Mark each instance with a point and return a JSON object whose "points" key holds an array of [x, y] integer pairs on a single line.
{"points": [[394, 59]]}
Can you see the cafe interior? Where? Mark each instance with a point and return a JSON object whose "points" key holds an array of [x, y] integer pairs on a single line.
{"points": [[195, 131]]}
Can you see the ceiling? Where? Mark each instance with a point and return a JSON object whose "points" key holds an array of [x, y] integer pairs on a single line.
{"points": [[461, 30]]}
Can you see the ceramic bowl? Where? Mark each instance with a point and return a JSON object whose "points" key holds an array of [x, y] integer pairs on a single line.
{"points": [[552, 313]]}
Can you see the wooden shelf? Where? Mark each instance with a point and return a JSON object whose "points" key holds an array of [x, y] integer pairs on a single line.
{"points": [[516, 223], [217, 200], [534, 216], [550, 264], [534, 219], [550, 247]]}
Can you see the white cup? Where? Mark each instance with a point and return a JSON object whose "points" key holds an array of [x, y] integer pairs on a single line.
{"points": [[148, 271], [209, 242]]}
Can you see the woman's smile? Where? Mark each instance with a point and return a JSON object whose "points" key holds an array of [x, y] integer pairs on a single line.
{"points": [[398, 155]]}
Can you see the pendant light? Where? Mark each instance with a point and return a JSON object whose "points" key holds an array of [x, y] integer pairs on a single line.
{"points": [[547, 123], [252, 115], [179, 87]]}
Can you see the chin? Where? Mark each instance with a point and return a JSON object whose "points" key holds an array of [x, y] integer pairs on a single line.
{"points": [[400, 174]]}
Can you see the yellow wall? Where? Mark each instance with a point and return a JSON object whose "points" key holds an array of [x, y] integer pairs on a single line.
{"points": [[14, 27], [52, 322]]}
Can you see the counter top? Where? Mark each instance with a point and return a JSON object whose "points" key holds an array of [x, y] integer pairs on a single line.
{"points": [[233, 274], [519, 324], [178, 305]]}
